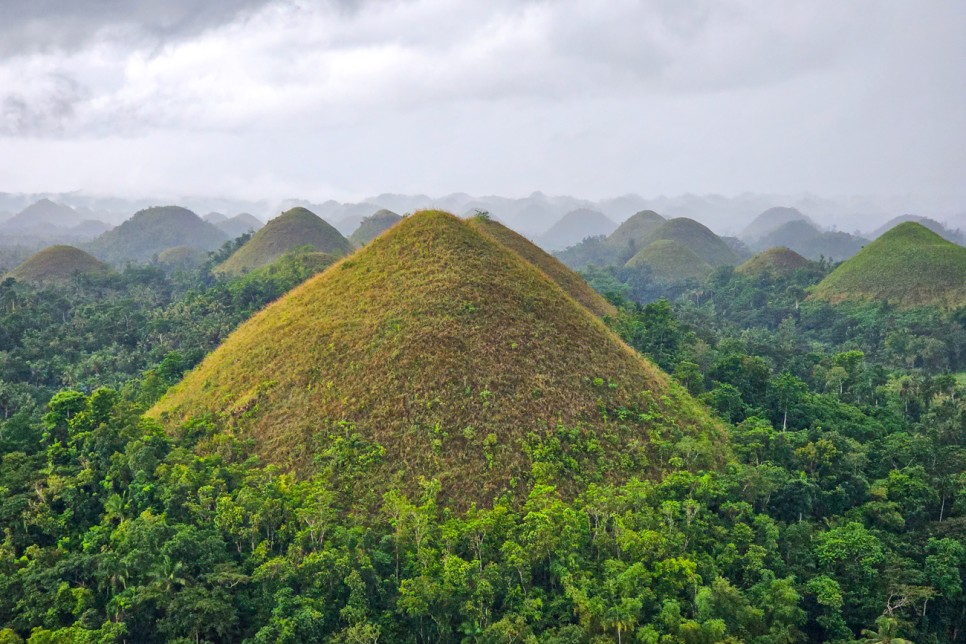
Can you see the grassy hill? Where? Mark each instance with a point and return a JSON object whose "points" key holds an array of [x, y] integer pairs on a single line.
{"points": [[57, 264], [574, 227], [44, 213], [616, 248], [373, 226], [955, 236], [671, 261], [779, 261], [153, 230], [908, 266], [573, 284], [239, 225], [807, 240], [697, 238], [292, 229], [771, 220], [450, 357]]}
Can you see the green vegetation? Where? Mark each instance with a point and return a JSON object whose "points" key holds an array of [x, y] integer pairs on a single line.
{"points": [[239, 225], [616, 248], [839, 514], [151, 231], [670, 261], [292, 229], [695, 237], [373, 226], [57, 264], [908, 266], [182, 257], [806, 239], [780, 260]]}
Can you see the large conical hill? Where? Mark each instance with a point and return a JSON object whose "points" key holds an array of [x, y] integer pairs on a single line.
{"points": [[56, 264], [698, 238], [153, 230], [573, 284], [671, 261], [908, 266], [777, 261], [461, 360], [292, 229]]}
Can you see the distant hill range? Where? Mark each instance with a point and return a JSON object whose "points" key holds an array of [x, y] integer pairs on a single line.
{"points": [[292, 229], [153, 230], [771, 220], [445, 354], [47, 222], [956, 236], [807, 240], [907, 266], [574, 227]]}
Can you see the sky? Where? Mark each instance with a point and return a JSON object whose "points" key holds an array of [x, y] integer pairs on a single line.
{"points": [[341, 99]]}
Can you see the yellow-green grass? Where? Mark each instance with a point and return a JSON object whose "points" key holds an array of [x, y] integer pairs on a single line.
{"points": [[909, 266], [57, 264], [697, 237], [373, 226], [572, 283], [292, 229], [630, 236], [778, 261], [671, 261], [465, 362]]}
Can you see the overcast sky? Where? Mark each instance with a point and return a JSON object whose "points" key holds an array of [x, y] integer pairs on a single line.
{"points": [[342, 99]]}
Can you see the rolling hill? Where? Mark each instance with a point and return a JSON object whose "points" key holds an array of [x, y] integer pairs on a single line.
{"points": [[615, 249], [239, 225], [908, 266], [575, 226], [779, 261], [43, 214], [694, 236], [810, 242], [771, 220], [151, 231], [671, 261], [441, 353], [292, 229], [56, 264], [373, 226], [955, 236]]}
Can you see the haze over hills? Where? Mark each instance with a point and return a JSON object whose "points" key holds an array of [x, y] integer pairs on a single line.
{"points": [[292, 229], [454, 354], [373, 226], [907, 266], [616, 248], [695, 236], [671, 261], [780, 260], [770, 220], [956, 236], [807, 240], [239, 225], [151, 231], [57, 264], [575, 226]]}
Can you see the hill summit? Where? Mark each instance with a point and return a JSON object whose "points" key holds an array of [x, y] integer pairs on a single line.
{"points": [[908, 266], [690, 234], [447, 355], [779, 261], [153, 230], [292, 229], [373, 226], [57, 264]]}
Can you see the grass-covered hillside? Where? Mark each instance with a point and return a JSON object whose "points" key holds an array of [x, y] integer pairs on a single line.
{"points": [[373, 226], [151, 231], [239, 224], [671, 261], [614, 249], [770, 220], [908, 266], [57, 264], [292, 229], [807, 240], [444, 354], [780, 260], [696, 237]]}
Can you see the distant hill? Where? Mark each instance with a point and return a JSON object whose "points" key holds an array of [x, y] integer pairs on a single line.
{"points": [[615, 249], [292, 229], [150, 231], [955, 236], [349, 225], [575, 226], [239, 225], [57, 264], [90, 228], [770, 220], [447, 356], [694, 236], [215, 218], [779, 261], [671, 261], [908, 266], [373, 226], [810, 242], [43, 214]]}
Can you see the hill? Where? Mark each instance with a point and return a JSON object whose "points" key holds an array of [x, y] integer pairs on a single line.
{"points": [[572, 283], [779, 261], [373, 226], [57, 264], [615, 249], [671, 261], [292, 229], [955, 236], [697, 238], [908, 266], [810, 242], [771, 220], [449, 357], [43, 214], [575, 226], [153, 230], [239, 225]]}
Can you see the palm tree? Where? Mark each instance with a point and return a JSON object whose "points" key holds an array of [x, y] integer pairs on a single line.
{"points": [[886, 634]]}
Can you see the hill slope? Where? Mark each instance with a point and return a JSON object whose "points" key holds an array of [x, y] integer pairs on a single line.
{"points": [[43, 214], [807, 240], [671, 261], [373, 226], [955, 236], [292, 229], [696, 237], [908, 266], [153, 230], [780, 261], [460, 359], [771, 220], [57, 264], [238, 225], [575, 226]]}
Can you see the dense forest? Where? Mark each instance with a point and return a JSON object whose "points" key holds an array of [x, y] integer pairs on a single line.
{"points": [[839, 516]]}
